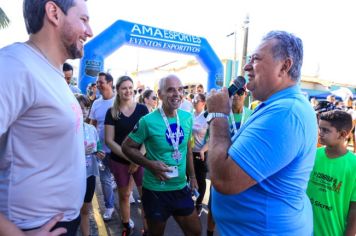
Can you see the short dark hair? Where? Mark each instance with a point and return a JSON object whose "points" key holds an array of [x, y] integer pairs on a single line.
{"points": [[288, 46], [34, 11], [67, 67], [108, 76], [341, 120]]}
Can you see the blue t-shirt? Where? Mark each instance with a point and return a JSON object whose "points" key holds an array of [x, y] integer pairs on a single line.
{"points": [[276, 147]]}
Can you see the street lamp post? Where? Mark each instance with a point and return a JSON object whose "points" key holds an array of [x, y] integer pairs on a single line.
{"points": [[245, 42], [234, 66], [235, 55]]}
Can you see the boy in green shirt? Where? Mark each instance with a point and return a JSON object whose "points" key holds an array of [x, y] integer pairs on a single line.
{"points": [[332, 184]]}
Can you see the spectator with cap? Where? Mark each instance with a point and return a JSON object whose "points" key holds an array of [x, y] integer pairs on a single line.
{"points": [[239, 113]]}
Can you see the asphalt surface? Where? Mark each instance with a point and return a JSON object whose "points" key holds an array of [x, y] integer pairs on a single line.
{"points": [[114, 226]]}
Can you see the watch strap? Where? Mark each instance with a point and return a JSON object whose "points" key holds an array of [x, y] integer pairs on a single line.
{"points": [[214, 115]]}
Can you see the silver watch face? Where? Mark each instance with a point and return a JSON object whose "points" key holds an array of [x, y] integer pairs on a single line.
{"points": [[209, 117]]}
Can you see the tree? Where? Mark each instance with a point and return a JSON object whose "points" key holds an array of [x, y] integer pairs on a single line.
{"points": [[4, 20]]}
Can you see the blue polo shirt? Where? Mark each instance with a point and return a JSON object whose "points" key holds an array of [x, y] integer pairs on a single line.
{"points": [[276, 147]]}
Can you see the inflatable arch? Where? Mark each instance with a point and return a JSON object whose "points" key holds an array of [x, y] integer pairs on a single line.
{"points": [[127, 33]]}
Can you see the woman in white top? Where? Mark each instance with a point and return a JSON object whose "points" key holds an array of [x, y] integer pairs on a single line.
{"points": [[200, 147]]}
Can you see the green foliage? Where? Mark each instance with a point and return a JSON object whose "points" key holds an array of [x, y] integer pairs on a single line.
{"points": [[4, 20]]}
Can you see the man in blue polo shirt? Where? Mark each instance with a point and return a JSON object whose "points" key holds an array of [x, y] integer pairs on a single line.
{"points": [[260, 177]]}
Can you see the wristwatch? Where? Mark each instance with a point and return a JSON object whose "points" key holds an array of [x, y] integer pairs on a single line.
{"points": [[211, 116]]}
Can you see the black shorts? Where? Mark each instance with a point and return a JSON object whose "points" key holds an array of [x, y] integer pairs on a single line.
{"points": [[90, 189], [71, 226], [160, 205]]}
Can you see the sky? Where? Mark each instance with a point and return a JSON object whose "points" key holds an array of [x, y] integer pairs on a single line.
{"points": [[327, 29]]}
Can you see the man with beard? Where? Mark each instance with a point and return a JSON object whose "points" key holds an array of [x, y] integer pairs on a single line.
{"points": [[42, 161], [260, 177]]}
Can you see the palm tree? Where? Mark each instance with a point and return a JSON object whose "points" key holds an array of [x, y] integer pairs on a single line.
{"points": [[4, 20]]}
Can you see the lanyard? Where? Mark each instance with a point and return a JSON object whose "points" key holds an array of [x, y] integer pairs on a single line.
{"points": [[243, 115], [175, 142], [86, 134], [87, 140]]}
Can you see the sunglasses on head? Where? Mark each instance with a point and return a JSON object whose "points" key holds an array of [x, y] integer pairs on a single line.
{"points": [[196, 100]]}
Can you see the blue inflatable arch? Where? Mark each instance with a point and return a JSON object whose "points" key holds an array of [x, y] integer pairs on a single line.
{"points": [[127, 33]]}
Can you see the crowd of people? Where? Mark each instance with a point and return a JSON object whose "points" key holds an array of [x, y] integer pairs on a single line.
{"points": [[267, 175]]}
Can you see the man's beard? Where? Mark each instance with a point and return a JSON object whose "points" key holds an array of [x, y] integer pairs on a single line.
{"points": [[73, 52]]}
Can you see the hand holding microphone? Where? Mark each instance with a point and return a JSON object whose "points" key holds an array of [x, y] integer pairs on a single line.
{"points": [[218, 101]]}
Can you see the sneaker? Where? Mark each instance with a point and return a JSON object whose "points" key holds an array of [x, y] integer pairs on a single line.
{"points": [[127, 232], [131, 223], [108, 213], [113, 183], [132, 199]]}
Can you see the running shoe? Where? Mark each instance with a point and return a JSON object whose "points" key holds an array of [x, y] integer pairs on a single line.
{"points": [[108, 213], [132, 199]]}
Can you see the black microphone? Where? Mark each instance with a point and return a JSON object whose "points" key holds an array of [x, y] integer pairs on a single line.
{"points": [[236, 86]]}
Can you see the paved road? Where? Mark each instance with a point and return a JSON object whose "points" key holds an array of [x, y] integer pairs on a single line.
{"points": [[114, 227]]}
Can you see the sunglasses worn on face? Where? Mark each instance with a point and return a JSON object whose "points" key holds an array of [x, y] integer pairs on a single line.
{"points": [[241, 92]]}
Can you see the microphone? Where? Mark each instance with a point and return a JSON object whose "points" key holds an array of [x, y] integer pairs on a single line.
{"points": [[237, 86]]}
